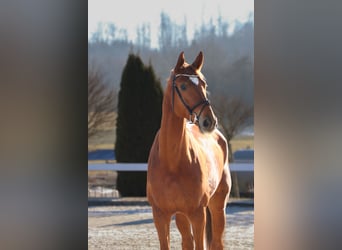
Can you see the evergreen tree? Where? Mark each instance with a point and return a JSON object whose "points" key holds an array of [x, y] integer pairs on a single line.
{"points": [[139, 116]]}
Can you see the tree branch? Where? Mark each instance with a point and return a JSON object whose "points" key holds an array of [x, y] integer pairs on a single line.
{"points": [[101, 103]]}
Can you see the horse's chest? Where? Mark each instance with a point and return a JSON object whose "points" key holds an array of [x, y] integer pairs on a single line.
{"points": [[185, 180], [211, 163], [180, 190]]}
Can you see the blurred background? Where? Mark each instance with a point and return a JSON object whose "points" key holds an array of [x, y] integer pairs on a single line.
{"points": [[223, 30], [297, 72]]}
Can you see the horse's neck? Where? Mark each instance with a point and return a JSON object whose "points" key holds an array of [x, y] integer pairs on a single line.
{"points": [[173, 139]]}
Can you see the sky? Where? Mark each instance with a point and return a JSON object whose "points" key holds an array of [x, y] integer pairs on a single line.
{"points": [[128, 14]]}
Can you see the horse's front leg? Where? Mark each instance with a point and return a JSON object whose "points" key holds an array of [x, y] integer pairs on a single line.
{"points": [[198, 219], [184, 227], [217, 207], [162, 223]]}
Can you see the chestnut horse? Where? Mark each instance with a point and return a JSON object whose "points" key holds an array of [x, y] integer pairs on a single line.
{"points": [[188, 172]]}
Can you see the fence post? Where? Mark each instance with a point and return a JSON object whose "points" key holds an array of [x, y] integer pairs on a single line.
{"points": [[236, 185]]}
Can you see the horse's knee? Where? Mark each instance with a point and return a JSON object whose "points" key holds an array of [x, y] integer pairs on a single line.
{"points": [[187, 244], [217, 245]]}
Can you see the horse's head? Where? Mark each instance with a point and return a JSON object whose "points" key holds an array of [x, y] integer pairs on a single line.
{"points": [[189, 96]]}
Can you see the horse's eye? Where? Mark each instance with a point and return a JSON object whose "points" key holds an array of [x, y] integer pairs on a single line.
{"points": [[183, 86]]}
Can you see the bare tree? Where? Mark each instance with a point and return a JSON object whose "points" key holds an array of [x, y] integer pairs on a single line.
{"points": [[98, 35], [101, 103], [234, 115], [143, 39]]}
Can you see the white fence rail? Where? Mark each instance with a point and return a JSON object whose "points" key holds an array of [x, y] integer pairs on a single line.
{"points": [[234, 167]]}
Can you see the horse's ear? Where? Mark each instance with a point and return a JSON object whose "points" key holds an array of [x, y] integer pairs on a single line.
{"points": [[198, 63], [180, 62]]}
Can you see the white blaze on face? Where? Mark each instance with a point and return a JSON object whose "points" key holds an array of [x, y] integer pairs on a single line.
{"points": [[194, 79]]}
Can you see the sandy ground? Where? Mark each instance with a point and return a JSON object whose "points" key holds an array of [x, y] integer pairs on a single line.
{"points": [[131, 227]]}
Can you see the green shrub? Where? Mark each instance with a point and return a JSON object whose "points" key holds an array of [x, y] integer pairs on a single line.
{"points": [[139, 116]]}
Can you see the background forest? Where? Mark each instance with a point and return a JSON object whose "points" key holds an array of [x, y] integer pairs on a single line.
{"points": [[229, 56]]}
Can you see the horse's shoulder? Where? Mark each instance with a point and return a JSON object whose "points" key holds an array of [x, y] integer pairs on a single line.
{"points": [[222, 141], [216, 135], [220, 137]]}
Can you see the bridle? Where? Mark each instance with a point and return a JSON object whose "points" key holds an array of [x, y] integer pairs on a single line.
{"points": [[205, 102]]}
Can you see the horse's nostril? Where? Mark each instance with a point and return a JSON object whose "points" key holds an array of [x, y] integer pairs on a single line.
{"points": [[206, 123]]}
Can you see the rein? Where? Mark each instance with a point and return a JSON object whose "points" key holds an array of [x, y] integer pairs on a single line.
{"points": [[204, 102]]}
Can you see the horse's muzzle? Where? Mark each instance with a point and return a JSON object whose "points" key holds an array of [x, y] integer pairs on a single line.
{"points": [[207, 124]]}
